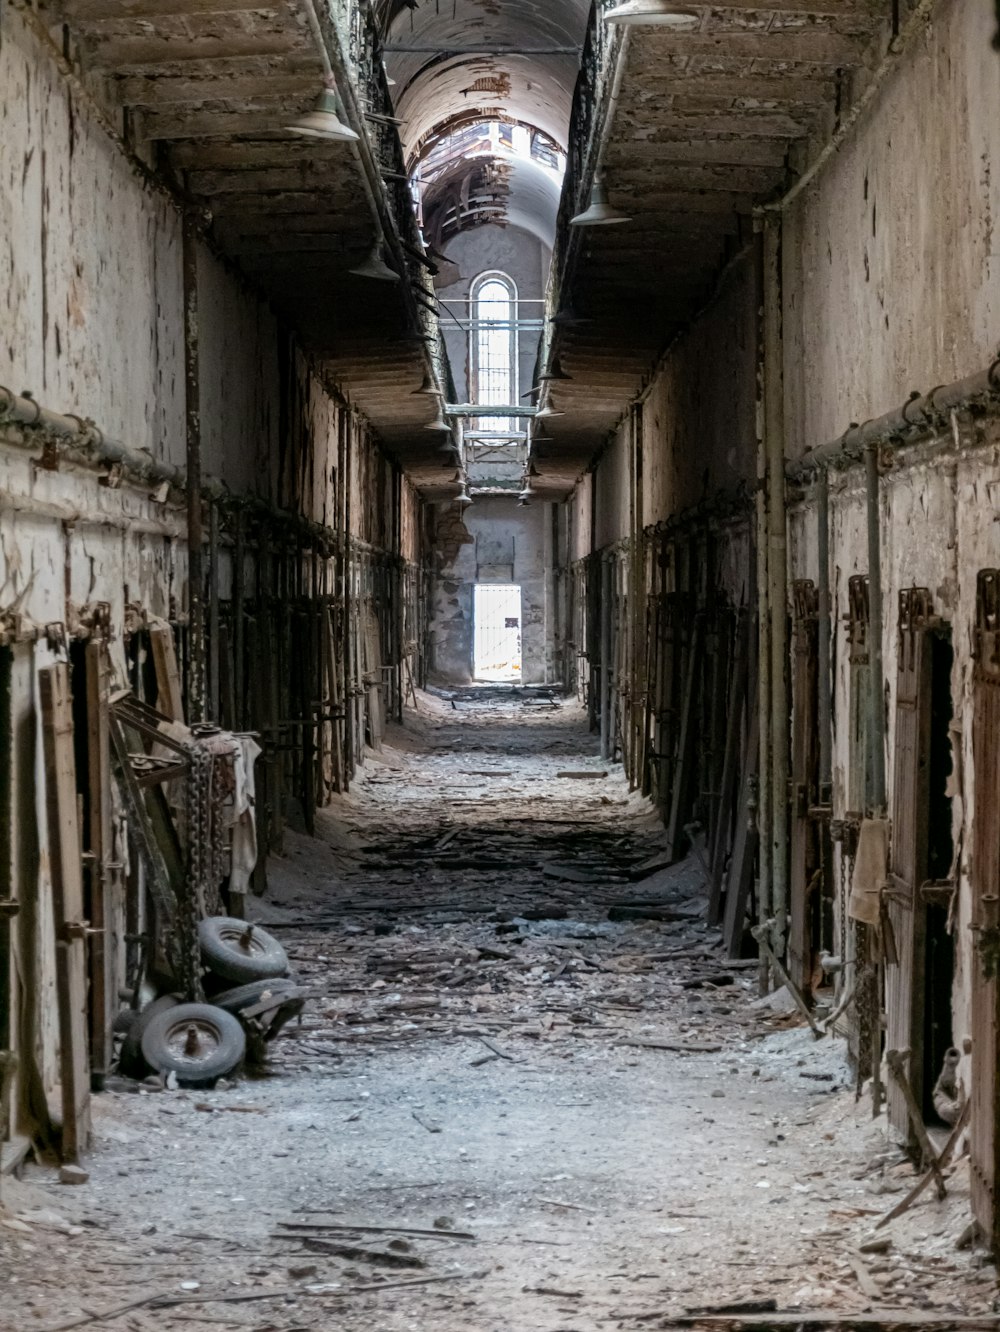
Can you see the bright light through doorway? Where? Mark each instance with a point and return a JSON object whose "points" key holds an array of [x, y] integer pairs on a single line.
{"points": [[498, 632]]}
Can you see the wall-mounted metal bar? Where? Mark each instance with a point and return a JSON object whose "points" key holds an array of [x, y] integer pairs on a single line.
{"points": [[919, 418], [487, 409], [196, 700], [824, 700], [876, 697]]}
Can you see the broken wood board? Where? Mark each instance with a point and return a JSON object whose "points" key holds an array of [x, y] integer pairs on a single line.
{"points": [[828, 1320], [67, 895]]}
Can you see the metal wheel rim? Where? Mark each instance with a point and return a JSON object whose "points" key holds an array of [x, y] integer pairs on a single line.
{"points": [[231, 935], [175, 1040]]}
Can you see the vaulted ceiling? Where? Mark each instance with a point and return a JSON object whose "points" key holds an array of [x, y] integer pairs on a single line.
{"points": [[708, 122], [500, 59]]}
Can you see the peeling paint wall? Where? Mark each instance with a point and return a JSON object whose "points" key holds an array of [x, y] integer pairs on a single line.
{"points": [[891, 261], [698, 415], [91, 268], [891, 283]]}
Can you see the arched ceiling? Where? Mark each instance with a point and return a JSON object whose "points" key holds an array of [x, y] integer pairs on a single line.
{"points": [[518, 192], [501, 59]]}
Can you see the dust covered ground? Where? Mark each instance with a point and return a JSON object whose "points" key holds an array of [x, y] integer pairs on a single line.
{"points": [[502, 1109]]}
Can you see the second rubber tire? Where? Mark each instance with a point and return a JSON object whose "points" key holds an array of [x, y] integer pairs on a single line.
{"points": [[239, 951], [198, 1042]]}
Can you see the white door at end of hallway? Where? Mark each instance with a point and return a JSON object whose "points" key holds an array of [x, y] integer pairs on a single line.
{"points": [[497, 631]]}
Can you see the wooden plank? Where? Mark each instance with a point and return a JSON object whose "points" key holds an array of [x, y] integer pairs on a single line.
{"points": [[908, 862], [680, 802], [803, 848], [984, 1140], [169, 695], [103, 989], [67, 893], [737, 707], [741, 864]]}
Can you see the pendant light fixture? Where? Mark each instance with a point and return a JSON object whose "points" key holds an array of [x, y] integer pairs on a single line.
{"points": [[428, 387], [568, 319], [547, 412], [439, 423], [601, 211], [375, 266], [555, 372], [652, 13], [463, 498], [323, 121]]}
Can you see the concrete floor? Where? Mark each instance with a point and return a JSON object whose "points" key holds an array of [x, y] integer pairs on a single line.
{"points": [[463, 1068]]}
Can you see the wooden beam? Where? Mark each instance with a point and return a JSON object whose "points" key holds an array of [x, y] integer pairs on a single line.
{"points": [[702, 152], [67, 898], [306, 176], [791, 90], [687, 124], [220, 119], [812, 45], [100, 11], [122, 54], [152, 91], [273, 149]]}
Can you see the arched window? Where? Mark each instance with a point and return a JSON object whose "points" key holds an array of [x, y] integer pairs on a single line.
{"points": [[494, 341]]}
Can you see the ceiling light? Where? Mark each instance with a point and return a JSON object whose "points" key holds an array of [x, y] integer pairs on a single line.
{"points": [[555, 371], [601, 212], [547, 412], [463, 499], [375, 267], [652, 13], [568, 318], [323, 121], [439, 423], [429, 386]]}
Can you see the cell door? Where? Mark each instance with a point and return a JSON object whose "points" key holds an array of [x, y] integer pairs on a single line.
{"points": [[804, 859], [983, 1146], [904, 940], [497, 623]]}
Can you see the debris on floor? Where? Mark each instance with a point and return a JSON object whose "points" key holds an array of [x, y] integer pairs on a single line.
{"points": [[499, 1107]]}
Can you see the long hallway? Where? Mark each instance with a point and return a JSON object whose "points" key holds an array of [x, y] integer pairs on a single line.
{"points": [[499, 664], [502, 1106]]}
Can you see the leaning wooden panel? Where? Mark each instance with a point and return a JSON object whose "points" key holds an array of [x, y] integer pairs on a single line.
{"points": [[803, 849], [103, 989], [904, 916], [67, 891], [984, 1145]]}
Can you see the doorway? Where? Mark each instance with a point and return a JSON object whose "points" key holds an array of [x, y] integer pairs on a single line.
{"points": [[497, 621]]}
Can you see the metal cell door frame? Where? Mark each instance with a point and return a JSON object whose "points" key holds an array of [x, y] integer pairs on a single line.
{"points": [[984, 1141], [804, 843], [904, 912]]}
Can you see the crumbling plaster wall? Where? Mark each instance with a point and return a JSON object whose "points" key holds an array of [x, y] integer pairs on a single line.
{"points": [[91, 267], [699, 412], [891, 282], [494, 541], [891, 264]]}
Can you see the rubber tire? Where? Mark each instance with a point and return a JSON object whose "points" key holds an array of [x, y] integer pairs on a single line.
{"points": [[130, 1058], [245, 996], [206, 1069], [221, 951]]}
